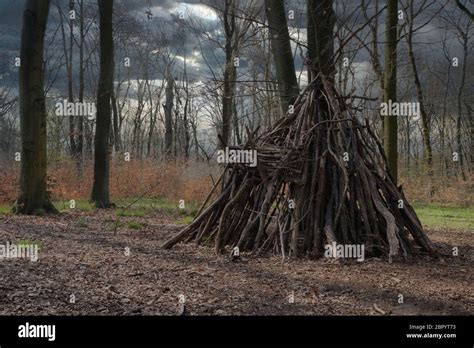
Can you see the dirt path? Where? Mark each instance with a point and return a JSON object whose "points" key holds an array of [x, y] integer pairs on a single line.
{"points": [[80, 256]]}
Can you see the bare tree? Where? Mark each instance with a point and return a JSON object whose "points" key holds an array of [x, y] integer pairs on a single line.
{"points": [[425, 120], [33, 197], [230, 72], [168, 107], [390, 87], [100, 188]]}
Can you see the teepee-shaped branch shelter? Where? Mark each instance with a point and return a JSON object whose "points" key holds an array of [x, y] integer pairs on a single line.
{"points": [[321, 177]]}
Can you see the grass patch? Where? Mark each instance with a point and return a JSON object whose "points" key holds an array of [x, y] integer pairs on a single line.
{"points": [[82, 205], [27, 242], [135, 225], [440, 217], [144, 205], [432, 215], [5, 209], [132, 213], [185, 220]]}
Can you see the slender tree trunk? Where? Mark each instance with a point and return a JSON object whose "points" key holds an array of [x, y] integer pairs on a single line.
{"points": [[80, 119], [459, 107], [168, 106], [177, 139], [470, 135], [100, 188], [33, 197], [185, 112], [116, 130], [68, 61], [237, 128], [282, 53], [425, 122], [88, 135], [230, 73], [195, 137], [153, 112], [268, 111], [72, 128], [442, 135], [408, 144], [390, 87], [151, 130]]}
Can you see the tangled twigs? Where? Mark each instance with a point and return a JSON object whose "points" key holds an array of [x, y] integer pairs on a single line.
{"points": [[321, 177]]}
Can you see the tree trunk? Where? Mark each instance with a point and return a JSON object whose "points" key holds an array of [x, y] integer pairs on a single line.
{"points": [[33, 197], [68, 61], [390, 87], [177, 137], [168, 106], [72, 126], [459, 107], [470, 134], [282, 54], [321, 21], [100, 188], [425, 121], [237, 128], [230, 73], [116, 130], [185, 112], [80, 119]]}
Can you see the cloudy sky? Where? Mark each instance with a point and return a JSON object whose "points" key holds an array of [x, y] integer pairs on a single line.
{"points": [[148, 16]]}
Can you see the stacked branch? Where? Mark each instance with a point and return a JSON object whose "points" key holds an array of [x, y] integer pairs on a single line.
{"points": [[321, 177]]}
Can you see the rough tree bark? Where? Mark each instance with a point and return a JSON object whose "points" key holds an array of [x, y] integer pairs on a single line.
{"points": [[100, 188], [282, 53], [187, 138], [321, 21], [80, 119], [465, 46], [390, 87], [33, 198], [72, 122], [230, 72]]}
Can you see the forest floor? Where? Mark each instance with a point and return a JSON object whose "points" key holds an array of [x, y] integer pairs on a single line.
{"points": [[81, 259]]}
